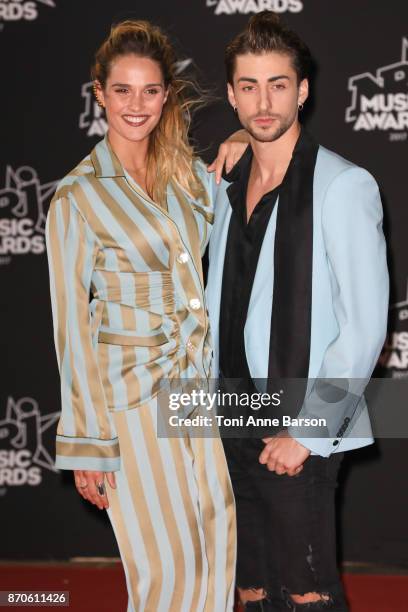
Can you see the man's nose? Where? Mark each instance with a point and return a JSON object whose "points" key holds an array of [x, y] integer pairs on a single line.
{"points": [[264, 99]]}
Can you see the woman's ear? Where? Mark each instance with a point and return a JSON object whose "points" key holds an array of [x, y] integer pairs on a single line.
{"points": [[98, 93]]}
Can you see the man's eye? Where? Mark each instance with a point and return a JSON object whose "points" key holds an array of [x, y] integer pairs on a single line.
{"points": [[248, 88], [121, 90], [279, 86]]}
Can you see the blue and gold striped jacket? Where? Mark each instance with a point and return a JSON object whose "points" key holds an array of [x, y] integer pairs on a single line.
{"points": [[127, 299]]}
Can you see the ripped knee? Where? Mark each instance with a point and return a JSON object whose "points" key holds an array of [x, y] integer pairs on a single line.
{"points": [[309, 601]]}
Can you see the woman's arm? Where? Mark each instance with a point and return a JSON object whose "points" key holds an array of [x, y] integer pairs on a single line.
{"points": [[86, 439]]}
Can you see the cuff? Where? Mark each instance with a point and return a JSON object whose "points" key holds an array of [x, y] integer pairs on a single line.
{"points": [[87, 454], [319, 446]]}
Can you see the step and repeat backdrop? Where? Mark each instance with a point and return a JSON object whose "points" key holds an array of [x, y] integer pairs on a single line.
{"points": [[49, 121]]}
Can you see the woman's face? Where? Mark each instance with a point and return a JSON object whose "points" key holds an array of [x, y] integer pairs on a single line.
{"points": [[134, 96]]}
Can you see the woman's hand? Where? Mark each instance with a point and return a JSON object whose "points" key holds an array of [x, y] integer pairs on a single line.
{"points": [[229, 153], [91, 486]]}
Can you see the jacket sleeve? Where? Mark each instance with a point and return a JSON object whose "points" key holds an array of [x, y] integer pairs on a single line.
{"points": [[86, 439], [204, 211], [356, 257]]}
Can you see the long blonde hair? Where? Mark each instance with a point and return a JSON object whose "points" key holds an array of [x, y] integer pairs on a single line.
{"points": [[170, 156]]}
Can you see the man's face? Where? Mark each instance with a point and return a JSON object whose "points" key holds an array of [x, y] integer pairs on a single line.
{"points": [[266, 94]]}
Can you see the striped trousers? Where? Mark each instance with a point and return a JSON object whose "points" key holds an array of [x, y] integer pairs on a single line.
{"points": [[173, 515]]}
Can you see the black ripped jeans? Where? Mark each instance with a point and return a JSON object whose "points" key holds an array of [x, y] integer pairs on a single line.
{"points": [[286, 528]]}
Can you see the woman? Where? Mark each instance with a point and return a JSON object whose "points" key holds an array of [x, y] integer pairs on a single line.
{"points": [[127, 227]]}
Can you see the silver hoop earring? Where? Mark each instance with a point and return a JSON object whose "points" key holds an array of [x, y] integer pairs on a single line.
{"points": [[235, 110]]}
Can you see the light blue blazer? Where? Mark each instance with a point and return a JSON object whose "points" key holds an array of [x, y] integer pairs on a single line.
{"points": [[350, 292]]}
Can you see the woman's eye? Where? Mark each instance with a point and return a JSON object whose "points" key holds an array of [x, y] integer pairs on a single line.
{"points": [[152, 91]]}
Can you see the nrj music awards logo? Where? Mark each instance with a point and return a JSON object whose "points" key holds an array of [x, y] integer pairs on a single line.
{"points": [[23, 455], [380, 101], [20, 10], [22, 213], [92, 119], [231, 7], [395, 353]]}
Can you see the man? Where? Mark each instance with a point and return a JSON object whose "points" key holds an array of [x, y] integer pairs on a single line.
{"points": [[298, 288]]}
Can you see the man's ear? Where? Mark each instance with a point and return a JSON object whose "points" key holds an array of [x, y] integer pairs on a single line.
{"points": [[231, 95], [303, 91]]}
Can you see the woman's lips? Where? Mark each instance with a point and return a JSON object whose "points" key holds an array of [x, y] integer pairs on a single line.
{"points": [[135, 120]]}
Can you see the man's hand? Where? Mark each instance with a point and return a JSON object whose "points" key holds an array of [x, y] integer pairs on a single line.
{"points": [[229, 153], [91, 486], [283, 455]]}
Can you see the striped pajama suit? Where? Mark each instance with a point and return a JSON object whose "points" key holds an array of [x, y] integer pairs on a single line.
{"points": [[129, 311]]}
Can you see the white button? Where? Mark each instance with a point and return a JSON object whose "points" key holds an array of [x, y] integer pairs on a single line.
{"points": [[182, 258], [195, 304]]}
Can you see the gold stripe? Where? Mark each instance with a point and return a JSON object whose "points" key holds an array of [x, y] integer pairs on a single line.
{"points": [[189, 506], [208, 517], [128, 317], [95, 163], [92, 372], [192, 230], [58, 273], [103, 361], [225, 484], [130, 378], [124, 340], [141, 509], [136, 235], [72, 449], [124, 544], [163, 493], [208, 216]]}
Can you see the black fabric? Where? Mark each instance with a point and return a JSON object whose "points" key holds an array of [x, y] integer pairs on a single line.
{"points": [[243, 246], [285, 526], [290, 328], [289, 349]]}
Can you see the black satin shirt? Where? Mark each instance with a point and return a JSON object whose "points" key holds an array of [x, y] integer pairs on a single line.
{"points": [[243, 247]]}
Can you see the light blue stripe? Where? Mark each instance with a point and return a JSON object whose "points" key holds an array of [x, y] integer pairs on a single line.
{"points": [[155, 513], [139, 553], [70, 261], [112, 227], [148, 230], [99, 464]]}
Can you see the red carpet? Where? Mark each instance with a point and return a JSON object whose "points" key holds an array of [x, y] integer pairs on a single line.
{"points": [[101, 588]]}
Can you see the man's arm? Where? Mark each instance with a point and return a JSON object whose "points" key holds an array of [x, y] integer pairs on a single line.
{"points": [[356, 256]]}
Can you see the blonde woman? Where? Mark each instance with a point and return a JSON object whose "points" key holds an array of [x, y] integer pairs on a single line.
{"points": [[125, 234]]}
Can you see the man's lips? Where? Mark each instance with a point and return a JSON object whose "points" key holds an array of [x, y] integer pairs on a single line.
{"points": [[135, 120], [264, 120]]}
